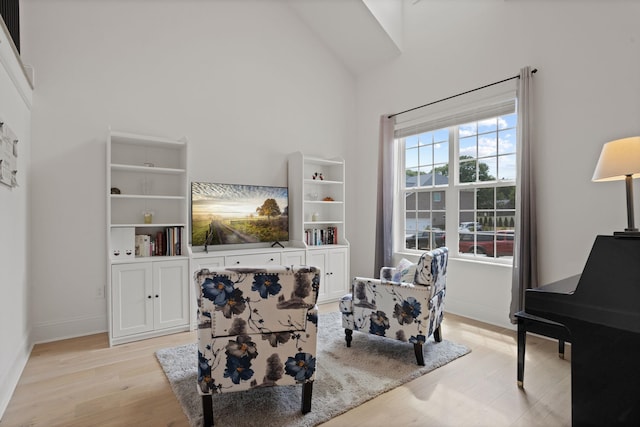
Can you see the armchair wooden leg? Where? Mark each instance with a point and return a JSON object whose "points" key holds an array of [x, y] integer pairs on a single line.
{"points": [[307, 391], [207, 410], [437, 334], [348, 336], [417, 348]]}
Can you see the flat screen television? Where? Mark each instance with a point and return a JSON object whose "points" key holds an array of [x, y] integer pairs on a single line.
{"points": [[234, 214]]}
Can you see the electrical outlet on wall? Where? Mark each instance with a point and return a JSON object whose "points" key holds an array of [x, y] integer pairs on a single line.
{"points": [[100, 292]]}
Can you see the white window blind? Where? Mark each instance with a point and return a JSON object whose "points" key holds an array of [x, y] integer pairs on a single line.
{"points": [[488, 102], [486, 112]]}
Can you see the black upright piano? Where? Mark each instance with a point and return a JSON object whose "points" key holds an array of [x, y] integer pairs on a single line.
{"points": [[598, 311]]}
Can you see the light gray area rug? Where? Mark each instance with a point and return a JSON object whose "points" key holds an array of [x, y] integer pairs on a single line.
{"points": [[346, 378]]}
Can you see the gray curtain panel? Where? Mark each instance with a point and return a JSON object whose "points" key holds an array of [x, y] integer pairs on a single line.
{"points": [[384, 208], [525, 259]]}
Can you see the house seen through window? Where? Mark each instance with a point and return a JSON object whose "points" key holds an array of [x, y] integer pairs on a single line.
{"points": [[471, 165]]}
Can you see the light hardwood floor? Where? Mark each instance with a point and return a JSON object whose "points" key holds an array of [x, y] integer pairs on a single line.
{"points": [[83, 382]]}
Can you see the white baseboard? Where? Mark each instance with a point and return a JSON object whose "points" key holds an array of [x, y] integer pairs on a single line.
{"points": [[478, 312], [68, 328], [9, 379]]}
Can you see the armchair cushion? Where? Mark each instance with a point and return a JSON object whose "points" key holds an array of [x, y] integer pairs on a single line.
{"points": [[405, 271]]}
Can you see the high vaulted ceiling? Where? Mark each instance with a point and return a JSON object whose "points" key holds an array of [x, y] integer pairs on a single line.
{"points": [[362, 33]]}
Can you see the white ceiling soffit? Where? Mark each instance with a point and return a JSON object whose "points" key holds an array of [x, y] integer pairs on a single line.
{"points": [[362, 33]]}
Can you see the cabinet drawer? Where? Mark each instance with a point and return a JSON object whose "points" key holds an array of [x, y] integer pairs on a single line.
{"points": [[293, 258], [253, 259], [208, 262]]}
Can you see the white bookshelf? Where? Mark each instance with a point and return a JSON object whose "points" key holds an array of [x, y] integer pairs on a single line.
{"points": [[148, 290], [317, 206]]}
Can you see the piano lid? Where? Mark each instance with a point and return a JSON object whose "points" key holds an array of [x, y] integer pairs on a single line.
{"points": [[607, 292]]}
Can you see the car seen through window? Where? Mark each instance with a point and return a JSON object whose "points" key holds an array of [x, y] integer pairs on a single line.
{"points": [[491, 244]]}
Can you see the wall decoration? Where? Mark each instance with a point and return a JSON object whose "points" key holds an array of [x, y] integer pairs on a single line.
{"points": [[8, 156]]}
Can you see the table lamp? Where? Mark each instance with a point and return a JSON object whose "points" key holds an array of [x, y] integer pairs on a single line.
{"points": [[620, 159]]}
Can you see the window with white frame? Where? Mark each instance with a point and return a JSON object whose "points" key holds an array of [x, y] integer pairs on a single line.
{"points": [[456, 179]]}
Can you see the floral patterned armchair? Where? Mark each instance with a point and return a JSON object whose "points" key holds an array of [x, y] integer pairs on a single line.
{"points": [[257, 327], [407, 303]]}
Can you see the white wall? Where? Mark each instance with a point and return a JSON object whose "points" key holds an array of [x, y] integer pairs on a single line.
{"points": [[587, 92], [15, 112], [245, 81]]}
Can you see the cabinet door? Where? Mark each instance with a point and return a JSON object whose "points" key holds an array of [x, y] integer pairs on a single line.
{"points": [[333, 263], [338, 282], [131, 299], [170, 294]]}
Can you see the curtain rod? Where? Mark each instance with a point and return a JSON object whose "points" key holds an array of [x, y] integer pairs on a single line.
{"points": [[535, 70]]}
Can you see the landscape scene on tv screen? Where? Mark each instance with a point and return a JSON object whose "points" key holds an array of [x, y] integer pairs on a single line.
{"points": [[224, 214]]}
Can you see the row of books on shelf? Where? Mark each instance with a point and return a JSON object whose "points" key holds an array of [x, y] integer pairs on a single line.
{"points": [[162, 243], [321, 236]]}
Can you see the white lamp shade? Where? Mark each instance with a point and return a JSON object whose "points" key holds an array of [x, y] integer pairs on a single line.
{"points": [[618, 159]]}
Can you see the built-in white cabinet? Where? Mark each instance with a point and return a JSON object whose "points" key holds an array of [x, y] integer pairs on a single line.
{"points": [[148, 299], [248, 257], [147, 225], [286, 256], [334, 267], [317, 219]]}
